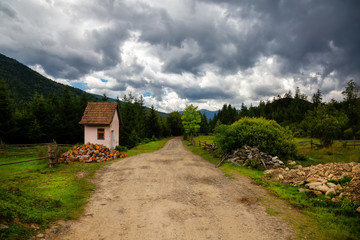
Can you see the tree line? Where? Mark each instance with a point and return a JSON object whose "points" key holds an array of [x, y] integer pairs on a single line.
{"points": [[304, 117], [57, 118]]}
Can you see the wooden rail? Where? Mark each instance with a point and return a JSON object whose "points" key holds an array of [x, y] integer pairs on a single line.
{"points": [[348, 143], [52, 151]]}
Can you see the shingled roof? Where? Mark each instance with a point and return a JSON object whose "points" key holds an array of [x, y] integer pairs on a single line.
{"points": [[99, 113]]}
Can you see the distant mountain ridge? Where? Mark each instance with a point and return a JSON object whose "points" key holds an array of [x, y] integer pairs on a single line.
{"points": [[23, 82]]}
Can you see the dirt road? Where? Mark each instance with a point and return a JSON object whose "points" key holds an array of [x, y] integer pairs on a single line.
{"points": [[173, 194]]}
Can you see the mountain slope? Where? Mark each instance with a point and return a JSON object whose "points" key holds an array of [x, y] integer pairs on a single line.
{"points": [[24, 82]]}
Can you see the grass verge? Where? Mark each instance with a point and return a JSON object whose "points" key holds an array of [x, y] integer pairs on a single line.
{"points": [[32, 195], [324, 219]]}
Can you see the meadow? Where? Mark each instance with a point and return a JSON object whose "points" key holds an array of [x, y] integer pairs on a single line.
{"points": [[323, 218], [32, 195]]}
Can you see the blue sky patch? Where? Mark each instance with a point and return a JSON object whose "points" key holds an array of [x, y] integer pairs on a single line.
{"points": [[81, 85], [147, 94]]}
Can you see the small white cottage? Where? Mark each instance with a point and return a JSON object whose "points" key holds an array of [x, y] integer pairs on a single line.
{"points": [[101, 122]]}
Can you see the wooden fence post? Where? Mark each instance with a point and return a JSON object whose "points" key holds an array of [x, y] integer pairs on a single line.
{"points": [[52, 150], [354, 142], [311, 143]]}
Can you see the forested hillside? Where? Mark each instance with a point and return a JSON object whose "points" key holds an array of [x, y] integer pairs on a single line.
{"points": [[35, 109], [24, 82]]}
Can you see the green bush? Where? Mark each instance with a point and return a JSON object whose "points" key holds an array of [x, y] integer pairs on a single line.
{"points": [[357, 134], [267, 135], [348, 134], [121, 148], [253, 162]]}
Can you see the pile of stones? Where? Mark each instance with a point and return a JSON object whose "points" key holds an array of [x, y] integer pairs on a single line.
{"points": [[90, 153], [334, 180], [239, 157]]}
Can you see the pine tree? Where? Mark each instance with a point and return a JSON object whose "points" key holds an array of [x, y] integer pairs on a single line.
{"points": [[6, 110]]}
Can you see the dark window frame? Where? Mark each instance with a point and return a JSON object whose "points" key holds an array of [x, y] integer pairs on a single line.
{"points": [[101, 133]]}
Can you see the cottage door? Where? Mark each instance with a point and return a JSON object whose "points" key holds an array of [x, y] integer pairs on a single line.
{"points": [[112, 139]]}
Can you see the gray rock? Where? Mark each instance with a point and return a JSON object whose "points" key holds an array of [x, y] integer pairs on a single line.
{"points": [[330, 191], [322, 188]]}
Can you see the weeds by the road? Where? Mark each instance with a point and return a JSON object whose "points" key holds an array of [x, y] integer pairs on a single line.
{"points": [[324, 219], [33, 194]]}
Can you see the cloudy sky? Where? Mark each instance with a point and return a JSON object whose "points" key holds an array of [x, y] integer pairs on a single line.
{"points": [[188, 51]]}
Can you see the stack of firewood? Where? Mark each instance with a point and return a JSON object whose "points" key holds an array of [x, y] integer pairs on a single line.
{"points": [[90, 153]]}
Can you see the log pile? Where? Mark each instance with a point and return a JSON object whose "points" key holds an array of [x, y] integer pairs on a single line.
{"points": [[241, 155], [334, 180], [90, 153]]}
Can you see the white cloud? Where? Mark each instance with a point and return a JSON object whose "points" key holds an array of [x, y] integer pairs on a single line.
{"points": [[202, 52]]}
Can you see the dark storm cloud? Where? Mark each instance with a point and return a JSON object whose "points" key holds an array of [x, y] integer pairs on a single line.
{"points": [[8, 11], [203, 93], [314, 44]]}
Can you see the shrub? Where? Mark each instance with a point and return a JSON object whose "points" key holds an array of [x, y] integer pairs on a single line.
{"points": [[348, 133], [253, 162], [121, 148], [267, 135], [357, 134]]}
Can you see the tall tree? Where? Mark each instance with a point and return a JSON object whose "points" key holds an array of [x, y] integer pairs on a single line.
{"points": [[204, 124], [191, 119], [152, 123], [352, 103], [317, 98], [175, 124], [326, 123], [6, 110]]}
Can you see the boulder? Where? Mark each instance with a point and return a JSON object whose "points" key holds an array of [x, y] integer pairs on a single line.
{"points": [[322, 188], [330, 191], [291, 163], [356, 169], [313, 185], [312, 179], [317, 193], [331, 185]]}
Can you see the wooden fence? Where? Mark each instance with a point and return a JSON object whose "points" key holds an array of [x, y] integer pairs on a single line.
{"points": [[204, 145], [51, 150], [345, 143]]}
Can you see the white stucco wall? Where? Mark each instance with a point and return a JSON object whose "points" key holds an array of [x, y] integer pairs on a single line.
{"points": [[90, 133]]}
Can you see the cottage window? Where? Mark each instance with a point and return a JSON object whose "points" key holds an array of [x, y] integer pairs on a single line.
{"points": [[100, 134]]}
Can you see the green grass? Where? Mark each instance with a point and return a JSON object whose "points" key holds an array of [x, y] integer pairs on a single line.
{"points": [[324, 219], [32, 193]]}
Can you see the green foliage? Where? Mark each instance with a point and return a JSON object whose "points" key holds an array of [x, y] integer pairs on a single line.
{"points": [[121, 148], [267, 135], [204, 124], [139, 123], [6, 110], [153, 124], [324, 219], [175, 124], [32, 193], [23, 83], [326, 123], [348, 134], [317, 98], [253, 162], [191, 119]]}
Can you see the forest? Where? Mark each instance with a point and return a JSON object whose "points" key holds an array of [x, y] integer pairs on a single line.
{"points": [[56, 118], [43, 119], [314, 118]]}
